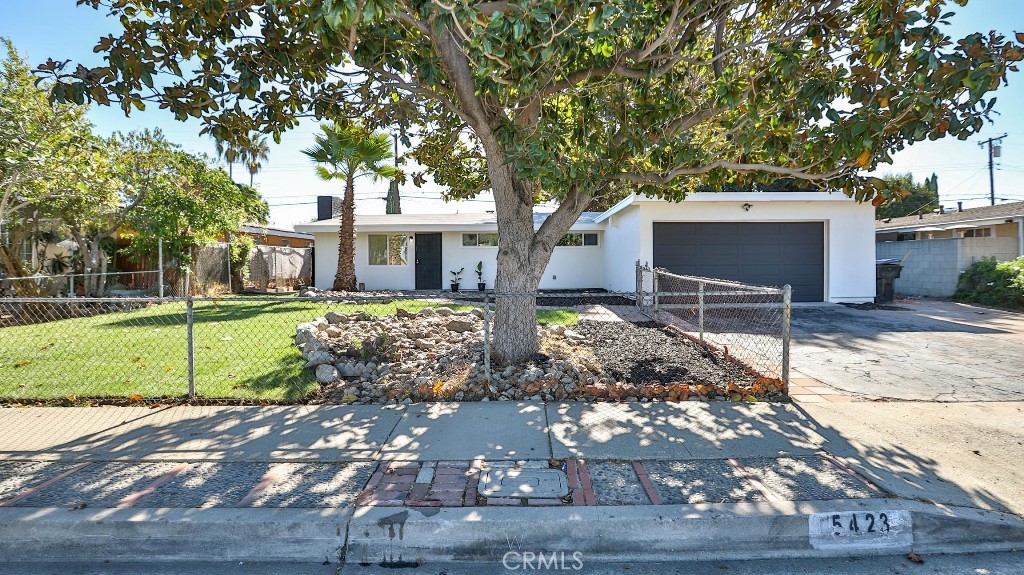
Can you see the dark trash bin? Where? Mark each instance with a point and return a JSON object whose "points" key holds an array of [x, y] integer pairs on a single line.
{"points": [[886, 272]]}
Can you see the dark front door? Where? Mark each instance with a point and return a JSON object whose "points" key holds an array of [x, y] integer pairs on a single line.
{"points": [[767, 253], [428, 261]]}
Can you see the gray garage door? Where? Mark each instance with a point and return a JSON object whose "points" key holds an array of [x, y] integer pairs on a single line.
{"points": [[767, 253]]}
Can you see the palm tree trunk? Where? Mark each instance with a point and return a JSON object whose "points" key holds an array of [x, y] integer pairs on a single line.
{"points": [[345, 279]]}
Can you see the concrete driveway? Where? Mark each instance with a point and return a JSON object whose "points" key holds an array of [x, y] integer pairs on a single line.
{"points": [[930, 351]]}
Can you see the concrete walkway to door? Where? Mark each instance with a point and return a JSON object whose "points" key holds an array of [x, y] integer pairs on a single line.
{"points": [[927, 351]]}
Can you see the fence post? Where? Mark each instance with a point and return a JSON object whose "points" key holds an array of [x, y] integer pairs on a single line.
{"points": [[487, 338], [700, 309], [189, 324], [654, 274], [639, 284], [787, 314], [71, 285], [160, 265], [229, 269]]}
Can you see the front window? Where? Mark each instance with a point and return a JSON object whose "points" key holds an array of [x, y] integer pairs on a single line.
{"points": [[488, 240], [978, 233], [578, 239], [26, 251], [388, 250]]}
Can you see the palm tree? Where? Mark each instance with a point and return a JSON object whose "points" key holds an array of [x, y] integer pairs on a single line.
{"points": [[347, 152], [256, 155], [230, 153]]}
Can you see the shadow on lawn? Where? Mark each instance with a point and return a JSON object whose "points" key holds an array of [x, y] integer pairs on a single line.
{"points": [[210, 312], [285, 379]]}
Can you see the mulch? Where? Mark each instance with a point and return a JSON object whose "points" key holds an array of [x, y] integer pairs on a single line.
{"points": [[647, 354]]}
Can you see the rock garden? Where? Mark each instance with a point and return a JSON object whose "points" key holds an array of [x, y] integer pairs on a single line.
{"points": [[437, 354]]}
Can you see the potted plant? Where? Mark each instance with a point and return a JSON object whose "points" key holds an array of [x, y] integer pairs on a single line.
{"points": [[480, 283], [456, 278]]}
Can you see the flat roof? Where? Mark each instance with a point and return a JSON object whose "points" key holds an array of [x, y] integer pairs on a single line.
{"points": [[427, 222]]}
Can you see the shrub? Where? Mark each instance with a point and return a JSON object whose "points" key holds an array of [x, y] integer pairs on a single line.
{"points": [[241, 247], [993, 283]]}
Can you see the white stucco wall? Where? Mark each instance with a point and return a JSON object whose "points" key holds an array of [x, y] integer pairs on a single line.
{"points": [[621, 250], [571, 267], [627, 235], [849, 233]]}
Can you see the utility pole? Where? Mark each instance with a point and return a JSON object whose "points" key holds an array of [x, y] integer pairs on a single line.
{"points": [[394, 202], [993, 152]]}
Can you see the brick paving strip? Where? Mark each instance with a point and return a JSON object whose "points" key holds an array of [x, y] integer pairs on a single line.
{"points": [[746, 474], [586, 486], [43, 485], [853, 473], [649, 489], [272, 475], [129, 500]]}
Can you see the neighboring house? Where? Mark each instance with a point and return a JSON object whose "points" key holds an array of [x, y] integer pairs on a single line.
{"points": [[814, 241], [937, 246], [277, 237]]}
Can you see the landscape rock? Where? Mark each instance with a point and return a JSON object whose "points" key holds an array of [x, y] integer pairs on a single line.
{"points": [[316, 358], [304, 335], [326, 374], [311, 346], [431, 355], [335, 318], [460, 326]]}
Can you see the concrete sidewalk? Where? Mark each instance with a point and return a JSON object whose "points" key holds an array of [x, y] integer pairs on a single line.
{"points": [[341, 478]]}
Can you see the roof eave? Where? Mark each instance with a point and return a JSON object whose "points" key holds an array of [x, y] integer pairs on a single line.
{"points": [[991, 220]]}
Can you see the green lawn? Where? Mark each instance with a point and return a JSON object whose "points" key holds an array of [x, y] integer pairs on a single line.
{"points": [[243, 349]]}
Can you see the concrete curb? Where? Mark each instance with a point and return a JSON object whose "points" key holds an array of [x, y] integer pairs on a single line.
{"points": [[403, 537], [261, 535], [406, 537]]}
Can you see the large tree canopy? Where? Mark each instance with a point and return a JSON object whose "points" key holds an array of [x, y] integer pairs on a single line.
{"points": [[572, 100]]}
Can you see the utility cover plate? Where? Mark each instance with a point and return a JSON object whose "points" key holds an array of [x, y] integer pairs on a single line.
{"points": [[861, 529], [512, 480]]}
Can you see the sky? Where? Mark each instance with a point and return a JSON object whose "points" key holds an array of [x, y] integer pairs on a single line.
{"points": [[61, 30]]}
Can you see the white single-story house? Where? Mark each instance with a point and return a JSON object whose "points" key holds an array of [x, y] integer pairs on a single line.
{"points": [[819, 243], [936, 246]]}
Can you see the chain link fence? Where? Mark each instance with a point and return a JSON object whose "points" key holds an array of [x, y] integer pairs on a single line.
{"points": [[748, 324], [348, 348]]}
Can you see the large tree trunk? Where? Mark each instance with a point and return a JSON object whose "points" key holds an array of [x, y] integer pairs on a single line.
{"points": [[515, 318], [345, 279], [15, 269], [523, 256]]}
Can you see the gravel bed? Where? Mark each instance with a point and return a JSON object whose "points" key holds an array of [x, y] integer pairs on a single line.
{"points": [[16, 476], [316, 485], [807, 479], [437, 354], [207, 484], [699, 481], [616, 483], [98, 485], [646, 353]]}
